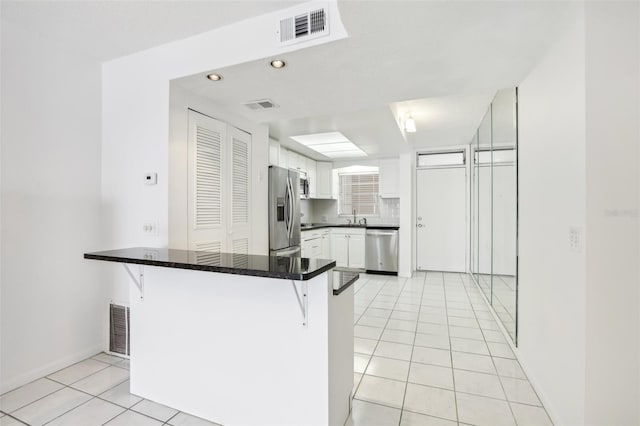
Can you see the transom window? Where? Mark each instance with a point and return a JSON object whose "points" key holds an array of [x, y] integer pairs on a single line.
{"points": [[358, 191]]}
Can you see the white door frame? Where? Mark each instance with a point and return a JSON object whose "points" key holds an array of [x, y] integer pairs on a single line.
{"points": [[450, 149]]}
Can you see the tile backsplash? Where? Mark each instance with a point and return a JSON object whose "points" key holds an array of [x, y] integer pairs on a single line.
{"points": [[326, 211]]}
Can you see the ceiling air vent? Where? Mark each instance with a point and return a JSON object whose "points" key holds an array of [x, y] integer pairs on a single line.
{"points": [[261, 104], [303, 26]]}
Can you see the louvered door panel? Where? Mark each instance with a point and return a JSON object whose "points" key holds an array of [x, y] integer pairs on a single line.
{"points": [[239, 185], [240, 181], [207, 170], [208, 209], [209, 252], [241, 245]]}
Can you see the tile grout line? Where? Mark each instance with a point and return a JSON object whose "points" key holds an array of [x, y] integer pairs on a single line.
{"points": [[406, 385], [492, 361], [377, 341], [453, 376]]}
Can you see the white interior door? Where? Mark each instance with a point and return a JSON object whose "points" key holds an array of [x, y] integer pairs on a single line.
{"points": [[239, 227], [206, 175], [440, 215]]}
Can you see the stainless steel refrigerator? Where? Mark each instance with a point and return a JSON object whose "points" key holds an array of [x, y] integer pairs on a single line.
{"points": [[284, 212]]}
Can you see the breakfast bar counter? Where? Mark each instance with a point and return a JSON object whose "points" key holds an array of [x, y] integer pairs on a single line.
{"points": [[240, 339]]}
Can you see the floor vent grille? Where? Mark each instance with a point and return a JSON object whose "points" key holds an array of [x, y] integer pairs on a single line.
{"points": [[119, 340]]}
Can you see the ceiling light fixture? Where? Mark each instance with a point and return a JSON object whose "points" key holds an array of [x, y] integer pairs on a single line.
{"points": [[278, 63], [214, 77], [410, 125], [331, 144]]}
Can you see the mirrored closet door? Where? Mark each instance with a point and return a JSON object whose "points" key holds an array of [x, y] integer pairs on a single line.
{"points": [[494, 207]]}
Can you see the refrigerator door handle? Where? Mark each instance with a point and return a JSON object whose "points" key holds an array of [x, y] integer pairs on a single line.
{"points": [[291, 208], [287, 205]]}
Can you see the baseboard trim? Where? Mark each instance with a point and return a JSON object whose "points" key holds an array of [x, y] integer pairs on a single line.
{"points": [[548, 405], [35, 374]]}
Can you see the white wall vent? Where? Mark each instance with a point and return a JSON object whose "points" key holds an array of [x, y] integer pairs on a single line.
{"points": [[119, 341], [306, 25], [260, 104]]}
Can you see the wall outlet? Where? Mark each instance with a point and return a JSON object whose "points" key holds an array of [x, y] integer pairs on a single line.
{"points": [[150, 227], [575, 239], [151, 178]]}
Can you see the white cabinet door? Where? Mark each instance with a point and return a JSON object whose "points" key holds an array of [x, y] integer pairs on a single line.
{"points": [[316, 248], [324, 177], [340, 249], [326, 246], [311, 176], [284, 157], [294, 161], [274, 153], [388, 170], [356, 251]]}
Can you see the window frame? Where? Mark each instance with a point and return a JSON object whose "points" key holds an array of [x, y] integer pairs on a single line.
{"points": [[377, 195]]}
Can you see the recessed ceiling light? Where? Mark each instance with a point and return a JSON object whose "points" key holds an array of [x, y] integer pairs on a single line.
{"points": [[278, 63], [214, 77]]}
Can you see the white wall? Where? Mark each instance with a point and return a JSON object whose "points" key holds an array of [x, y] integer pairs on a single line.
{"points": [[406, 185], [579, 142], [551, 299], [612, 253], [135, 120], [53, 302], [180, 102]]}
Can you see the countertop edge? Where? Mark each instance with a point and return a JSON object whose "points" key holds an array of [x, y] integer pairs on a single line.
{"points": [[328, 225], [219, 269], [349, 283]]}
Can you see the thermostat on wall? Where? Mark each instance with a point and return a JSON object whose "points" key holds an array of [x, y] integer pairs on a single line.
{"points": [[151, 178]]}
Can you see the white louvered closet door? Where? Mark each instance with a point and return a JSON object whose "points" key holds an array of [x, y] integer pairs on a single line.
{"points": [[239, 226], [206, 173]]}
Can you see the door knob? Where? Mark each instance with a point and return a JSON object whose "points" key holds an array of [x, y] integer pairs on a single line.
{"points": [[420, 225]]}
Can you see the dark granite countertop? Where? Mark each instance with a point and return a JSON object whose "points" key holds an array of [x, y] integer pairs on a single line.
{"points": [[312, 226], [342, 280], [282, 267]]}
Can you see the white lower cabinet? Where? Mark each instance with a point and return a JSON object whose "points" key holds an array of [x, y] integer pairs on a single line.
{"points": [[311, 244], [347, 247], [326, 244]]}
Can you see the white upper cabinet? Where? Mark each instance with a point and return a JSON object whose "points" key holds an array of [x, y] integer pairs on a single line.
{"points": [[296, 161], [389, 179], [274, 153], [324, 178], [311, 176]]}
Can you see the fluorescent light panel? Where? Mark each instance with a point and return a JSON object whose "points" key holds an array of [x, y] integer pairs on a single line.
{"points": [[330, 144]]}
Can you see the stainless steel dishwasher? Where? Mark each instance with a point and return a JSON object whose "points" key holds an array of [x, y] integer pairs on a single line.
{"points": [[381, 251]]}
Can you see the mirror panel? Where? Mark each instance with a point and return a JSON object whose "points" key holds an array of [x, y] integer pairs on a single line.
{"points": [[504, 208], [493, 208]]}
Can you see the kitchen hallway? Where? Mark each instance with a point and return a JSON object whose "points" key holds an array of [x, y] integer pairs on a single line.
{"points": [[428, 352]]}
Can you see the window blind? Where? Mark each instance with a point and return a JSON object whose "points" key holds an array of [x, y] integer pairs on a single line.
{"points": [[359, 192]]}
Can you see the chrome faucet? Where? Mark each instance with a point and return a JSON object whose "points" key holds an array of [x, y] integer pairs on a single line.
{"points": [[354, 216]]}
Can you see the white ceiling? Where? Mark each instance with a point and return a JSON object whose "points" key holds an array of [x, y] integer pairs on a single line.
{"points": [[443, 61], [109, 29]]}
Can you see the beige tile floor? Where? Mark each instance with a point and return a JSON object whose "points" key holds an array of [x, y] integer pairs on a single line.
{"points": [[92, 392], [427, 352]]}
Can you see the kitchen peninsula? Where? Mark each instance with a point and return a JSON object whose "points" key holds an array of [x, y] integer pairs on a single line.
{"points": [[240, 339]]}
